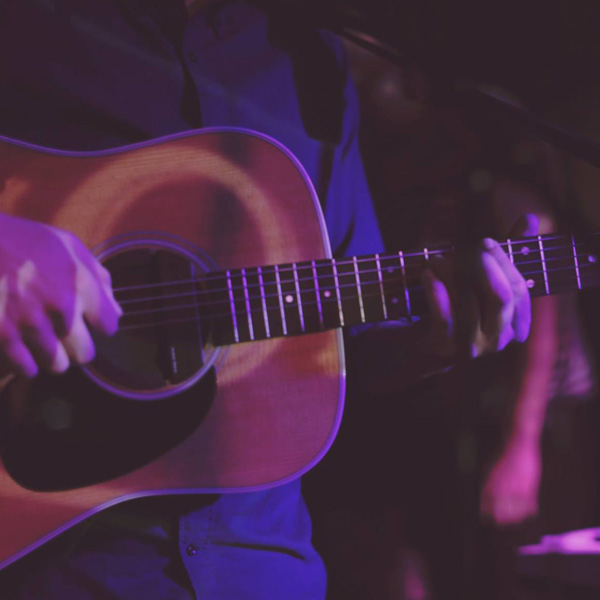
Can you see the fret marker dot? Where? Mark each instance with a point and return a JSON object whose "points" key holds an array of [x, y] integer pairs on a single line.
{"points": [[530, 283], [327, 294], [289, 298], [592, 258], [525, 251], [394, 300]]}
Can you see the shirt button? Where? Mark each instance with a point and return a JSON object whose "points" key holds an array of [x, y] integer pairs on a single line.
{"points": [[191, 550]]}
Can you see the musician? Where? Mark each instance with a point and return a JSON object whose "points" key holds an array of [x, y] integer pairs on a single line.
{"points": [[89, 76]]}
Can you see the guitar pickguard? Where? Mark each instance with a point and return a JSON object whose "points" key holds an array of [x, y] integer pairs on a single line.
{"points": [[64, 432]]}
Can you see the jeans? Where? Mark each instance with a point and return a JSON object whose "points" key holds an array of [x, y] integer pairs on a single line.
{"points": [[251, 546]]}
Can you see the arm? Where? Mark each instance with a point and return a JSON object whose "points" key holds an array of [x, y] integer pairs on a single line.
{"points": [[510, 490]]}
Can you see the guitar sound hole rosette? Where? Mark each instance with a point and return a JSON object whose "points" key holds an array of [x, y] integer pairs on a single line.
{"points": [[164, 342]]}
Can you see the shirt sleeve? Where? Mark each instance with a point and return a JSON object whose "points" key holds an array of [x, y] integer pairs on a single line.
{"points": [[349, 211]]}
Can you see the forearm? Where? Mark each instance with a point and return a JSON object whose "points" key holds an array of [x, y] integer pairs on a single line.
{"points": [[534, 374]]}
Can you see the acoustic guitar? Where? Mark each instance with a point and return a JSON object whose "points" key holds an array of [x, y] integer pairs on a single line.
{"points": [[227, 372]]}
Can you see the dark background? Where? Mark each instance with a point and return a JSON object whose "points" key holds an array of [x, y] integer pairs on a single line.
{"points": [[397, 457]]}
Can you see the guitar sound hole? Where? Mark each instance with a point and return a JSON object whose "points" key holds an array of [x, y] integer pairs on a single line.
{"points": [[163, 342], [86, 426]]}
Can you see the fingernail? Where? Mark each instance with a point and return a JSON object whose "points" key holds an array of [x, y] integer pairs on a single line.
{"points": [[489, 243], [533, 224], [61, 360], [30, 371]]}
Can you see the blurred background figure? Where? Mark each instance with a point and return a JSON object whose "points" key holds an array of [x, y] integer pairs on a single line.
{"points": [[442, 490]]}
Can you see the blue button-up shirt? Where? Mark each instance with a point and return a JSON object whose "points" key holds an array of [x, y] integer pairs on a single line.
{"points": [[92, 75]]}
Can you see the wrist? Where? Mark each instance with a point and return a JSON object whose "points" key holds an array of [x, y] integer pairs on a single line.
{"points": [[523, 439]]}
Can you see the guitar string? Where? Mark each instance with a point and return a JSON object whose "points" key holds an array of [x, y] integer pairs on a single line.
{"points": [[216, 276], [407, 255], [352, 286], [251, 287], [350, 262], [352, 274], [261, 309], [332, 302]]}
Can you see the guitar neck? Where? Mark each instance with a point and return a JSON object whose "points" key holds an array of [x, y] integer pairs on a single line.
{"points": [[307, 297]]}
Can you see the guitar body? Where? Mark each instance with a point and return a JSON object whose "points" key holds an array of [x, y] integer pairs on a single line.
{"points": [[260, 414]]}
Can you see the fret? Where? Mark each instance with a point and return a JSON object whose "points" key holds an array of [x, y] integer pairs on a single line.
{"points": [[337, 292], [263, 302], [510, 251], [317, 293], [256, 303], [247, 304], [272, 298], [236, 334], [556, 256], [280, 299], [380, 278], [405, 284], [330, 306], [240, 303], [526, 258], [371, 291], [393, 287], [361, 304], [298, 299], [359, 289], [576, 262], [350, 291], [588, 260], [309, 297], [543, 261], [289, 295]]}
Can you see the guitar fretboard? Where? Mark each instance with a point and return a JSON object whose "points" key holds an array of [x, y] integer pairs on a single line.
{"points": [[291, 299], [257, 303]]}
